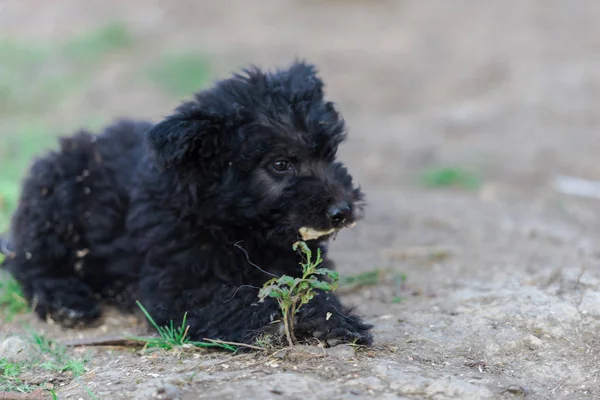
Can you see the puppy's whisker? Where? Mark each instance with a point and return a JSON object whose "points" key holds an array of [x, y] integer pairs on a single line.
{"points": [[237, 290], [237, 245]]}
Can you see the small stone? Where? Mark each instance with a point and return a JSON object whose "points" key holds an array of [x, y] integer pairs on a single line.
{"points": [[168, 392], [533, 342], [15, 349], [517, 390], [281, 354]]}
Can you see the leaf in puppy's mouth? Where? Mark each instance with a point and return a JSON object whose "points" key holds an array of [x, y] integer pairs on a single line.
{"points": [[311, 233]]}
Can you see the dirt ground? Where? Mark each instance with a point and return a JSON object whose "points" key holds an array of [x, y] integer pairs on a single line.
{"points": [[502, 291]]}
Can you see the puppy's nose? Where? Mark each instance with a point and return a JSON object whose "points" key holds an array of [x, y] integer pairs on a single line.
{"points": [[338, 213]]}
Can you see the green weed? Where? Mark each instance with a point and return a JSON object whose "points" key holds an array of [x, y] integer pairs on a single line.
{"points": [[450, 177], [292, 293], [172, 337]]}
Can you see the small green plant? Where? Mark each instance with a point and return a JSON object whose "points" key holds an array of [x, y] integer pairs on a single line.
{"points": [[450, 177], [171, 336], [292, 293], [265, 341], [10, 369]]}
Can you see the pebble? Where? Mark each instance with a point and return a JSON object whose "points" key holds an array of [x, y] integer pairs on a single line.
{"points": [[15, 349], [533, 342], [168, 392]]}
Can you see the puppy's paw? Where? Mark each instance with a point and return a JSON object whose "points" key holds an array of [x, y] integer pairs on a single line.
{"points": [[334, 329], [355, 333], [342, 335], [75, 317], [67, 309], [68, 306]]}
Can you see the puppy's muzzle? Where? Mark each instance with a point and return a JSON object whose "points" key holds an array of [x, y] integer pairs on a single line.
{"points": [[339, 213]]}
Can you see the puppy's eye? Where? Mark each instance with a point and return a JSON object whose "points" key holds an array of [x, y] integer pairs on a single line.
{"points": [[281, 165]]}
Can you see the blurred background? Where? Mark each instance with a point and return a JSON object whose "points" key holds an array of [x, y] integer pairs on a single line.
{"points": [[487, 91], [473, 129], [471, 91]]}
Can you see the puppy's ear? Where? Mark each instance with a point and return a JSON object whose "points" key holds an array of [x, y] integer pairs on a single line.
{"points": [[173, 141]]}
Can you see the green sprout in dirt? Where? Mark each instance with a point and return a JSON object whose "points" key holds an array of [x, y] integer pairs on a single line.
{"points": [[172, 337], [292, 293]]}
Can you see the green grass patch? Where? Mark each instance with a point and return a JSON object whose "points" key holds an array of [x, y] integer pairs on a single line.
{"points": [[91, 46], [21, 65], [372, 278], [33, 76], [369, 278], [43, 356], [56, 357], [172, 336], [443, 177], [180, 74], [10, 380]]}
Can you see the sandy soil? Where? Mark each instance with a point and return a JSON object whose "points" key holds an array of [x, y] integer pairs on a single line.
{"points": [[502, 297]]}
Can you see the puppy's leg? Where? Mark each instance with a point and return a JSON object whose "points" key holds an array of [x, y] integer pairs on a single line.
{"points": [[212, 310], [41, 268], [67, 301], [48, 243]]}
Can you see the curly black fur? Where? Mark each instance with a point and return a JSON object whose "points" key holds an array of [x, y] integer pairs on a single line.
{"points": [[192, 214]]}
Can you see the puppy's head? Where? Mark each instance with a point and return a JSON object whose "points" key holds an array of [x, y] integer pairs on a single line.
{"points": [[260, 149]]}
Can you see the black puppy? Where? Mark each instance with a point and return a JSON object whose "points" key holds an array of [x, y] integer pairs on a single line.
{"points": [[193, 214]]}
